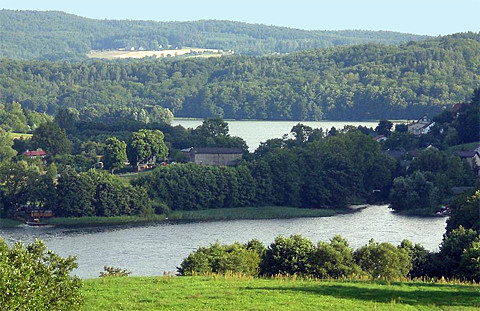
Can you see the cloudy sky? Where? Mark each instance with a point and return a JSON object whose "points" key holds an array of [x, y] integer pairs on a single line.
{"points": [[429, 17]]}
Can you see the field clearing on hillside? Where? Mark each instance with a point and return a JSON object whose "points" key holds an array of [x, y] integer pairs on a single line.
{"points": [[20, 135], [186, 52], [243, 293]]}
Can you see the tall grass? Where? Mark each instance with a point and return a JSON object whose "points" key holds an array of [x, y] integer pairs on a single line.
{"points": [[9, 223], [265, 212]]}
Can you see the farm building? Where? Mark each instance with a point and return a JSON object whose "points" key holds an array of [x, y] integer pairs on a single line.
{"points": [[214, 156]]}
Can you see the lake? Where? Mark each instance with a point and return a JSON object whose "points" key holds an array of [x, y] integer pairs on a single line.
{"points": [[152, 249], [255, 132]]}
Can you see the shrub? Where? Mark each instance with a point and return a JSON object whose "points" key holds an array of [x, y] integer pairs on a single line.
{"points": [[334, 260], [383, 261], [288, 256], [221, 259], [114, 272], [34, 278]]}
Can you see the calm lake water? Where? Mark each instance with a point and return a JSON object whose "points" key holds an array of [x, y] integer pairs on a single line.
{"points": [[152, 249], [255, 132]]}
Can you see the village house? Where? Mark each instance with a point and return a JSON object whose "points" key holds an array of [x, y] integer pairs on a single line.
{"points": [[420, 127], [380, 138], [472, 157], [214, 156], [35, 154]]}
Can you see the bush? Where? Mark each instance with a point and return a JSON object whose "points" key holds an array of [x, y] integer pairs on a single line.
{"points": [[334, 260], [114, 272], [235, 258], [34, 278], [383, 261], [288, 256]]}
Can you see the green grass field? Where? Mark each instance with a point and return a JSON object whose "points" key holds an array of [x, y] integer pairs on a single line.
{"points": [[236, 293]]}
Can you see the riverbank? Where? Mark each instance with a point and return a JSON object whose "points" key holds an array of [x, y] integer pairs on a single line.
{"points": [[9, 223], [246, 293], [266, 212]]}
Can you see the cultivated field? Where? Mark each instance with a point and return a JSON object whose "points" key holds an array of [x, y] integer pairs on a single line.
{"points": [[243, 293], [186, 52]]}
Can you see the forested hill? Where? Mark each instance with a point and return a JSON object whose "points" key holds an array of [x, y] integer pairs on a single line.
{"points": [[343, 83], [55, 35]]}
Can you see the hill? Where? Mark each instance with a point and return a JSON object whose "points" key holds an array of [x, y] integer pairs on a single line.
{"points": [[236, 293], [53, 35], [369, 81]]}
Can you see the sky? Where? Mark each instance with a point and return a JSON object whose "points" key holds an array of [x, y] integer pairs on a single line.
{"points": [[425, 17]]}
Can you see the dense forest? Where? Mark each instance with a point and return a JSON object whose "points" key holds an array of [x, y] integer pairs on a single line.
{"points": [[368, 81], [59, 36]]}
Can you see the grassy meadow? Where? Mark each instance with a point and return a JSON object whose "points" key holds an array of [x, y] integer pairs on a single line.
{"points": [[243, 293]]}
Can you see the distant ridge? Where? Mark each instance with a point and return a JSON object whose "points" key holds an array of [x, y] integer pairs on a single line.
{"points": [[54, 35]]}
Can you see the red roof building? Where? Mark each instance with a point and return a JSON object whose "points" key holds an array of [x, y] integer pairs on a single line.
{"points": [[35, 154]]}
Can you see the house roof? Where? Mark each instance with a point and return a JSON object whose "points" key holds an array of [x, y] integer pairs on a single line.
{"points": [[216, 150], [466, 153], [35, 153]]}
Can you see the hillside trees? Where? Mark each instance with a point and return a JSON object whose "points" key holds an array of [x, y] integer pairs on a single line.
{"points": [[51, 138], [362, 82]]}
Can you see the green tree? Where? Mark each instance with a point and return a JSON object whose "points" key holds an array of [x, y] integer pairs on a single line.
{"points": [[51, 138], [453, 246], [221, 259], [33, 278], [465, 212], [147, 145], [413, 191], [6, 143], [383, 260], [334, 259], [212, 128], [288, 256], [115, 154], [384, 127]]}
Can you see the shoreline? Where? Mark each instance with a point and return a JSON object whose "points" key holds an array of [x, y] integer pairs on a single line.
{"points": [[221, 214]]}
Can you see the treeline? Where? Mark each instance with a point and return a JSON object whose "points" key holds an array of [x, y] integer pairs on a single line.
{"points": [[93, 193], [296, 255], [361, 82], [332, 171], [60, 36]]}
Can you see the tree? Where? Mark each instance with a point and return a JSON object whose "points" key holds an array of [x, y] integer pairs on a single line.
{"points": [[334, 259], [147, 145], [51, 138], [213, 127], [384, 127], [413, 191], [301, 132], [383, 261], [465, 212], [288, 256], [454, 245], [221, 259], [33, 278], [66, 118], [115, 154], [6, 143]]}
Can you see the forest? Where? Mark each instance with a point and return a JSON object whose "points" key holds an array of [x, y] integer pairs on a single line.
{"points": [[361, 82], [61, 36]]}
